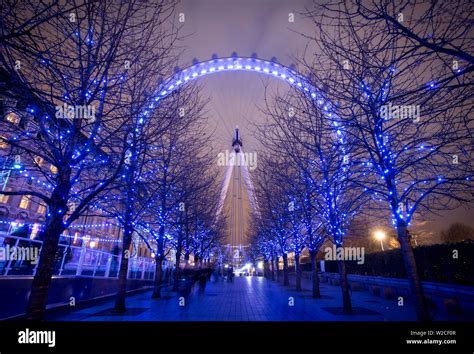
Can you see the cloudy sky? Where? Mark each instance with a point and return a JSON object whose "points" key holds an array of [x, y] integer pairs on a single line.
{"points": [[251, 26], [245, 26]]}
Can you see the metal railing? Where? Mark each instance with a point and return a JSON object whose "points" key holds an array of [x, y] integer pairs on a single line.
{"points": [[20, 256]]}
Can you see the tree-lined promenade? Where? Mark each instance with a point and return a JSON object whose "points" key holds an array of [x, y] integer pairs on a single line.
{"points": [[389, 133], [348, 153], [142, 162]]}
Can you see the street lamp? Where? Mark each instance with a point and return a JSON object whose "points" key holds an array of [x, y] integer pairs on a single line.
{"points": [[380, 235]]}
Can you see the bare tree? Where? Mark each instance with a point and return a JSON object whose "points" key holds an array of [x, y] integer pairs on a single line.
{"points": [[457, 232], [70, 74], [274, 209], [403, 90], [322, 158], [200, 178]]}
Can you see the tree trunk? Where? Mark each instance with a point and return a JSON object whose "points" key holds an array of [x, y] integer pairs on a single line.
{"points": [[346, 298], [123, 271], [272, 263], [412, 274], [186, 259], [40, 286], [160, 256], [179, 250], [158, 277], [266, 268], [197, 259], [127, 233], [277, 259], [298, 272], [177, 269], [286, 280], [314, 275]]}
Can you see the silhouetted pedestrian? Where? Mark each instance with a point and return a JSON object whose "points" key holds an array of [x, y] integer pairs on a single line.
{"points": [[202, 281]]}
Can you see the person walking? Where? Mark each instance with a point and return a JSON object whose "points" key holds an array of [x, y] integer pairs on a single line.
{"points": [[231, 274], [202, 282]]}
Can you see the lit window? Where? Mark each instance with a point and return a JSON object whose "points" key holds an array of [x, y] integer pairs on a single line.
{"points": [[13, 118], [24, 202], [38, 161], [41, 209], [53, 169], [3, 198], [3, 142]]}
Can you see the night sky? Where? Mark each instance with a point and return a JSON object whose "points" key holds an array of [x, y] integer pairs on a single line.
{"points": [[222, 27], [253, 26]]}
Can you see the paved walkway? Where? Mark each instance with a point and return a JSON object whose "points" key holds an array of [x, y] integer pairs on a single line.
{"points": [[246, 299]]}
